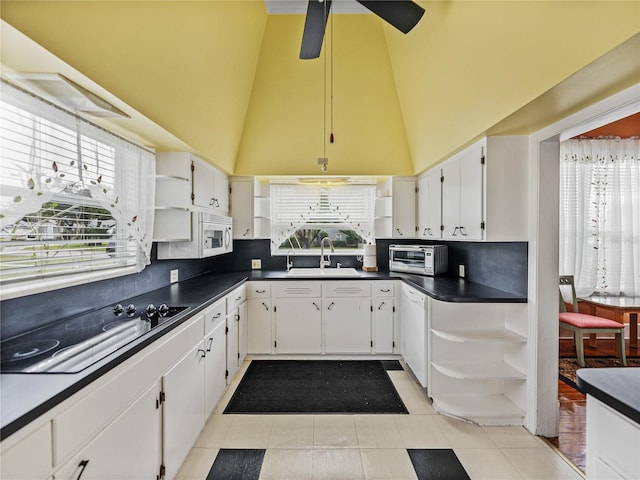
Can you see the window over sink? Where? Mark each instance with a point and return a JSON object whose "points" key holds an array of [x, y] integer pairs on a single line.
{"points": [[76, 200]]}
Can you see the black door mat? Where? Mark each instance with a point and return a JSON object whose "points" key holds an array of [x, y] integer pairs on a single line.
{"points": [[391, 365], [440, 464], [315, 386], [237, 464]]}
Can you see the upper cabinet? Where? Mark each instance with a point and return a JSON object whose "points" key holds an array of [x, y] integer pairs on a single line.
{"points": [[395, 209], [463, 195], [250, 208], [478, 194], [185, 182]]}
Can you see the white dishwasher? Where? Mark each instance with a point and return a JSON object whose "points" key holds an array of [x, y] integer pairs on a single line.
{"points": [[414, 343]]}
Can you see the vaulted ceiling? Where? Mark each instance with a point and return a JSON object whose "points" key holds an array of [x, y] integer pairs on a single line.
{"points": [[223, 78]]}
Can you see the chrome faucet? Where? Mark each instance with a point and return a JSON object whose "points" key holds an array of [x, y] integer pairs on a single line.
{"points": [[289, 264], [327, 262]]}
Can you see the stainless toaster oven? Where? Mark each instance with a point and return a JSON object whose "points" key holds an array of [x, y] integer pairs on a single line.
{"points": [[421, 259]]}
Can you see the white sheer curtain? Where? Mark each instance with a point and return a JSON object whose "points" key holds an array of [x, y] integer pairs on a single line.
{"points": [[600, 215]]}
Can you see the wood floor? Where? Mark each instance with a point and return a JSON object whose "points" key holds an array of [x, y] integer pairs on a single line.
{"points": [[571, 439]]}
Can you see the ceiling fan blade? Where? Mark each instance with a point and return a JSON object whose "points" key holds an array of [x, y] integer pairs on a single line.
{"points": [[314, 26], [402, 14]]}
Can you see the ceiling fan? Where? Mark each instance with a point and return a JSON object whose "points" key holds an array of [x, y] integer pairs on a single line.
{"points": [[402, 14]]}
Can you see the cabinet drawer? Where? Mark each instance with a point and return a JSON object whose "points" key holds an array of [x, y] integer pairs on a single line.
{"points": [[297, 289], [382, 289], [30, 459], [258, 290], [346, 289], [214, 314], [236, 297]]}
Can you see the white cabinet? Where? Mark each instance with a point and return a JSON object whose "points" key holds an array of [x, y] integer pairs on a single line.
{"points": [[477, 363], [260, 325], [346, 317], [30, 459], [215, 355], [236, 330], [463, 195], [430, 205], [383, 317], [413, 332], [126, 449], [298, 325], [395, 208], [184, 416], [250, 208], [220, 192], [613, 443]]}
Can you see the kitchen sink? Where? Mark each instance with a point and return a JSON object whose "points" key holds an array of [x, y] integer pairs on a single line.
{"points": [[323, 273]]}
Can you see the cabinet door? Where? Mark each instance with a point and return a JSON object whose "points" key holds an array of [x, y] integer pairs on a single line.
{"points": [[259, 321], [414, 340], [220, 192], [243, 332], [30, 459], [383, 325], [471, 195], [214, 367], [233, 320], [347, 325], [242, 209], [422, 206], [129, 448], [298, 325], [404, 208], [203, 184], [451, 199], [184, 414], [434, 205]]}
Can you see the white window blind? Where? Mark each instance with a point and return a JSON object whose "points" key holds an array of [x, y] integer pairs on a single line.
{"points": [[320, 208], [74, 198]]}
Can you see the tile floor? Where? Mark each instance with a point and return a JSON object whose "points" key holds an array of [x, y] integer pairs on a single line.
{"points": [[333, 447]]}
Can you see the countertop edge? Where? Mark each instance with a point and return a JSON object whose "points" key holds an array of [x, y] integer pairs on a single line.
{"points": [[598, 384]]}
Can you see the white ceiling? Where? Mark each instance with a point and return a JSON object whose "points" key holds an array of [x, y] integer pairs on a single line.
{"points": [[300, 6]]}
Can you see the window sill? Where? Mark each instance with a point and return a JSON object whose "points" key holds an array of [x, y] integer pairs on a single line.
{"points": [[41, 285]]}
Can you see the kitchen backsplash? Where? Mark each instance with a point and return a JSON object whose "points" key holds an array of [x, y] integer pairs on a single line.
{"points": [[501, 265]]}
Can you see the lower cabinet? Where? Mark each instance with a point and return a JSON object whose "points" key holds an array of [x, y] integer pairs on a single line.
{"points": [[347, 325], [184, 416], [127, 449], [383, 325], [30, 459], [298, 325], [214, 366], [259, 339]]}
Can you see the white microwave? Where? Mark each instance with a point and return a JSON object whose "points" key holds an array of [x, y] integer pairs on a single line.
{"points": [[210, 235], [421, 259]]}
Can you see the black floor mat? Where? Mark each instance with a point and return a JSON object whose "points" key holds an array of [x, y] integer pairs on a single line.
{"points": [[237, 464], [437, 464], [315, 386]]}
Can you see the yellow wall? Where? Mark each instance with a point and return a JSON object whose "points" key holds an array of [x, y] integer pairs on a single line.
{"points": [[467, 64], [225, 78], [284, 129], [188, 66]]}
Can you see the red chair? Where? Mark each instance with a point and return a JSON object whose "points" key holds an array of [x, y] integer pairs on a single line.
{"points": [[581, 324]]}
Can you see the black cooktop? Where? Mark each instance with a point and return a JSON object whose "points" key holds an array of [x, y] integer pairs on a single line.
{"points": [[70, 345]]}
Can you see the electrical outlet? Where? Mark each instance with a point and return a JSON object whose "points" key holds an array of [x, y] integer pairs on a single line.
{"points": [[256, 264], [461, 271], [173, 278]]}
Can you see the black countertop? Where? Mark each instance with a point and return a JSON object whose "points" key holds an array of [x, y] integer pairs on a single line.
{"points": [[26, 396], [618, 388]]}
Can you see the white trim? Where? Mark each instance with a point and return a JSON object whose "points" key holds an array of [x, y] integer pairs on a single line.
{"points": [[41, 285], [542, 417]]}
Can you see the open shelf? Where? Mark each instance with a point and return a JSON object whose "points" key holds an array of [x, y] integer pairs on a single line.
{"points": [[478, 370], [466, 336], [482, 409]]}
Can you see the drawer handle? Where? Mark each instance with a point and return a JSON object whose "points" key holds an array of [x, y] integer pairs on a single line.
{"points": [[238, 298], [399, 232], [202, 353], [330, 306], [217, 315], [265, 306], [82, 465], [260, 291], [210, 344], [380, 307], [316, 305], [385, 290], [246, 233]]}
